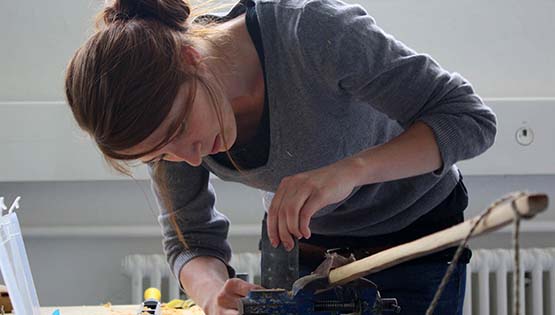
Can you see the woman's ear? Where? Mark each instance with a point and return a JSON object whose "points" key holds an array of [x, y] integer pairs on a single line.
{"points": [[190, 55]]}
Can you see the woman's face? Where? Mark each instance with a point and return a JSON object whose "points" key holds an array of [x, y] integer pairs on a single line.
{"points": [[199, 135]]}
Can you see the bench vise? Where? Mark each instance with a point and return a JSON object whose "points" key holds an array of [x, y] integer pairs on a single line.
{"points": [[359, 297], [311, 294]]}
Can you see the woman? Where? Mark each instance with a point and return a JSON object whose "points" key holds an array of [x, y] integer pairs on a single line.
{"points": [[356, 134]]}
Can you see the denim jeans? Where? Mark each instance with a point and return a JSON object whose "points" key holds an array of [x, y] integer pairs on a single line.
{"points": [[414, 286]]}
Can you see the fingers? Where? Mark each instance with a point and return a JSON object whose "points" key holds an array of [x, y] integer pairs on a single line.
{"points": [[284, 215], [232, 291], [289, 211], [273, 212], [313, 204], [283, 232], [238, 286], [292, 206]]}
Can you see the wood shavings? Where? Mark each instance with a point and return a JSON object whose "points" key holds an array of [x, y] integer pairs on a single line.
{"points": [[195, 310], [192, 311], [109, 309]]}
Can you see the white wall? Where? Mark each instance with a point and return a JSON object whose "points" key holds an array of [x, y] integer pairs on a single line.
{"points": [[503, 47]]}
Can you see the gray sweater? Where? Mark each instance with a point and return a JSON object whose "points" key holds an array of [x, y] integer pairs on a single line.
{"points": [[337, 84]]}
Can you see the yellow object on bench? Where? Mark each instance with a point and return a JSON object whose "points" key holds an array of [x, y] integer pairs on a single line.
{"points": [[183, 304]]}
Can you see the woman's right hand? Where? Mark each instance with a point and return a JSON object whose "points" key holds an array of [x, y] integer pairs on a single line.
{"points": [[226, 301], [205, 279]]}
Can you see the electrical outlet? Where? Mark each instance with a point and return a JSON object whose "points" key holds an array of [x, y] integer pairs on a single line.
{"points": [[525, 136]]}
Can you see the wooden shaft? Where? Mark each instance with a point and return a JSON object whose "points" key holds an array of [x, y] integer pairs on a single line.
{"points": [[499, 216]]}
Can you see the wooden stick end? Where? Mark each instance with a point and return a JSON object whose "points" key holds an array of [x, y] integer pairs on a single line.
{"points": [[532, 204]]}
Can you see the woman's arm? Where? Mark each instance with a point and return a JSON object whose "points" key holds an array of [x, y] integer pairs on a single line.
{"points": [[444, 120], [202, 278], [413, 152], [198, 258]]}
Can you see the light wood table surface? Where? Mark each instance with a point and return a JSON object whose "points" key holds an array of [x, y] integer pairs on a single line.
{"points": [[113, 310]]}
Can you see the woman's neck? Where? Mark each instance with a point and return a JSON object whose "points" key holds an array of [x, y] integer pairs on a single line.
{"points": [[240, 71]]}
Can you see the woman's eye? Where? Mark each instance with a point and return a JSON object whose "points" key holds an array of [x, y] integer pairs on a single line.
{"points": [[178, 133], [157, 159], [181, 131]]}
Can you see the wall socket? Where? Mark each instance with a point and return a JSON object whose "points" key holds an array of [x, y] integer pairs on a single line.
{"points": [[524, 135]]}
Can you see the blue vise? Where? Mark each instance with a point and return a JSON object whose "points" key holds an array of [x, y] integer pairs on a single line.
{"points": [[311, 296]]}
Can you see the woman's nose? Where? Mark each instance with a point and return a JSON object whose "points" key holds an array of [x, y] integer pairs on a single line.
{"points": [[182, 153]]}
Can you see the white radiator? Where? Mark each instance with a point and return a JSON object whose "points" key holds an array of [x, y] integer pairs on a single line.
{"points": [[153, 271], [490, 294]]}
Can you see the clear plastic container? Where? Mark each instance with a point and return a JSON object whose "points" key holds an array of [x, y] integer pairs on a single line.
{"points": [[14, 265]]}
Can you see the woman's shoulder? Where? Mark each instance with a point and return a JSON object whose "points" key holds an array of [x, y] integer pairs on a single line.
{"points": [[329, 8], [313, 31], [309, 19], [319, 5]]}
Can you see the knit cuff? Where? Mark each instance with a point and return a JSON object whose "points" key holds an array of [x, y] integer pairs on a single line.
{"points": [[186, 256]]}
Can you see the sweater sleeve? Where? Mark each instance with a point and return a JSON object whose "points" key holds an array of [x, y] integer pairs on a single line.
{"points": [[192, 198], [359, 59]]}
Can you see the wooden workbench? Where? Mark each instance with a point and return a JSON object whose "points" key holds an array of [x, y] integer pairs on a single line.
{"points": [[113, 310]]}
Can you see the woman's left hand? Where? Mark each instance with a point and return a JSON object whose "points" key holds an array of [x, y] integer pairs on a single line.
{"points": [[299, 196]]}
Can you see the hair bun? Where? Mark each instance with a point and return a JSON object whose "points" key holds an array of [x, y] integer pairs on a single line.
{"points": [[173, 13]]}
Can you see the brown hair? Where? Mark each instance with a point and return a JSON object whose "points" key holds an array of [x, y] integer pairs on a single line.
{"points": [[121, 83]]}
